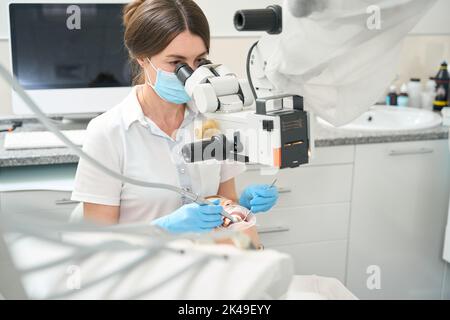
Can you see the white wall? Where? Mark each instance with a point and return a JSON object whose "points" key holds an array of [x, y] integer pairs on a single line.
{"points": [[3, 23], [220, 14], [421, 56], [5, 94], [435, 21]]}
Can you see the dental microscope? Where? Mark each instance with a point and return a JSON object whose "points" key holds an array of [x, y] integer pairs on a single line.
{"points": [[275, 132]]}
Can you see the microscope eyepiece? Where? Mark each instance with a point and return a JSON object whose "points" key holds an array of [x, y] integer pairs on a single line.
{"points": [[183, 72], [269, 19]]}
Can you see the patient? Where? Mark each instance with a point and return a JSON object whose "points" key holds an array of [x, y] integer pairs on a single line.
{"points": [[245, 221]]}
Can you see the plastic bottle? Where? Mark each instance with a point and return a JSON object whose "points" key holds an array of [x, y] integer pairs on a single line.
{"points": [[391, 98], [414, 92], [403, 98], [442, 87], [427, 96], [430, 86]]}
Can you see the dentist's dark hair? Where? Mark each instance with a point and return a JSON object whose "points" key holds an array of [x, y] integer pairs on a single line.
{"points": [[150, 25]]}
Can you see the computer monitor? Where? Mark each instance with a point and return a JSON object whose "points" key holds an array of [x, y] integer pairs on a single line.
{"points": [[69, 57]]}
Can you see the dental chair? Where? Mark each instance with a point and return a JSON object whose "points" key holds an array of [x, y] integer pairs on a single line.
{"points": [[301, 287], [133, 262]]}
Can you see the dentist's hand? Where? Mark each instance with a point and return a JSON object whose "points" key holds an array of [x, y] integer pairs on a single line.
{"points": [[192, 218], [259, 197]]}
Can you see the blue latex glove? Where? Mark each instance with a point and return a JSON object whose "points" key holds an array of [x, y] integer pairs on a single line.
{"points": [[259, 197], [192, 218]]}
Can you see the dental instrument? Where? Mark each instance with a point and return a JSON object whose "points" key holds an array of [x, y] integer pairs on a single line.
{"points": [[273, 183], [270, 186]]}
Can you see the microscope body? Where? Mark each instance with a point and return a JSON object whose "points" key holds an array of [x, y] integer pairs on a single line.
{"points": [[274, 133]]}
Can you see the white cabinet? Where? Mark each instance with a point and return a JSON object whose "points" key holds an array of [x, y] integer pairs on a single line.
{"points": [[446, 287], [306, 185], [310, 220], [56, 203], [37, 190], [304, 224], [327, 179], [320, 258], [386, 203], [30, 192], [315, 236], [398, 216]]}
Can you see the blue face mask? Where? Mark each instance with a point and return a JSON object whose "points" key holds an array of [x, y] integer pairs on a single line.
{"points": [[167, 86]]}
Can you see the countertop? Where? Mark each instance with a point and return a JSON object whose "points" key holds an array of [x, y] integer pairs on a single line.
{"points": [[324, 137]]}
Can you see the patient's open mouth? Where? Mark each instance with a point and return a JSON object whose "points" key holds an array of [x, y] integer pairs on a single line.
{"points": [[238, 212]]}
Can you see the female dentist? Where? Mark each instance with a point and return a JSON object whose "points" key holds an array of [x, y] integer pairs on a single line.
{"points": [[142, 136]]}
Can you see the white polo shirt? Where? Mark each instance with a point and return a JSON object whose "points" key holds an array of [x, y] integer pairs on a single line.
{"points": [[126, 141]]}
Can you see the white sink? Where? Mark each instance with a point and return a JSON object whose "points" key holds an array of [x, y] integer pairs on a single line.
{"points": [[388, 118]]}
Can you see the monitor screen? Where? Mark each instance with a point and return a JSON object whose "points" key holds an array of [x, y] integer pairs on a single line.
{"points": [[62, 46]]}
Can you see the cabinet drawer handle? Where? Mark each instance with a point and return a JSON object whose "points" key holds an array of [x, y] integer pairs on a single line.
{"points": [[273, 229], [258, 167], [284, 190], [408, 152], [66, 201], [252, 168]]}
